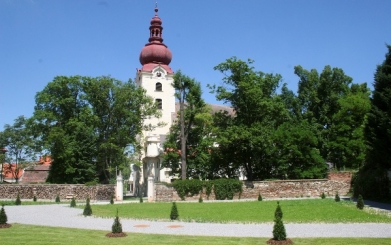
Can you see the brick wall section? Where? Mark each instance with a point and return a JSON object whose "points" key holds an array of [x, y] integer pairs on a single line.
{"points": [[49, 192], [335, 182]]}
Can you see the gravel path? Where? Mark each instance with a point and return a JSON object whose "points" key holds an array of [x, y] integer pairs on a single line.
{"points": [[62, 215]]}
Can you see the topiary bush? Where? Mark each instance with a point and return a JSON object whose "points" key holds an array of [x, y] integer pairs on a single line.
{"points": [[73, 202], [58, 199], [174, 212], [200, 200], [360, 202], [279, 232], [208, 185], [323, 196], [187, 187], [3, 216], [226, 188], [117, 227], [337, 198], [278, 213], [259, 197], [141, 198], [18, 201], [34, 198], [87, 209], [112, 199]]}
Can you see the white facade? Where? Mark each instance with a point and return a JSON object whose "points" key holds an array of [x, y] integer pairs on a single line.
{"points": [[158, 85]]}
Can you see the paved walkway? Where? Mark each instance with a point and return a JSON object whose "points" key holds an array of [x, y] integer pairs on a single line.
{"points": [[62, 215]]}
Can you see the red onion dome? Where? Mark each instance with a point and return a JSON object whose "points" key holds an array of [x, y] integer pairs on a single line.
{"points": [[155, 53]]}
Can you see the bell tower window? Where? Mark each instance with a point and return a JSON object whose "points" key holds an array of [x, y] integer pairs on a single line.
{"points": [[159, 103], [158, 87]]}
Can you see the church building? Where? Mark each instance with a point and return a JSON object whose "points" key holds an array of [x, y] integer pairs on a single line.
{"points": [[156, 77]]}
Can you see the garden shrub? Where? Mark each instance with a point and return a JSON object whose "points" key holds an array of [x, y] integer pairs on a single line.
{"points": [[337, 198], [18, 201], [323, 196], [259, 197], [3, 216], [87, 209], [117, 226], [57, 198], [200, 199], [278, 213], [73, 202], [279, 232], [226, 188], [188, 187], [34, 198], [112, 200], [174, 212], [141, 198], [360, 202], [208, 185]]}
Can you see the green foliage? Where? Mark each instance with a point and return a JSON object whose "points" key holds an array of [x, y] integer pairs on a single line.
{"points": [[3, 216], [226, 188], [87, 209], [141, 198], [112, 199], [34, 198], [372, 180], [188, 187], [200, 200], [91, 183], [323, 196], [174, 212], [73, 202], [21, 147], [86, 123], [337, 198], [117, 226], [57, 199], [278, 213], [208, 185], [360, 202], [259, 197], [279, 232], [18, 201]]}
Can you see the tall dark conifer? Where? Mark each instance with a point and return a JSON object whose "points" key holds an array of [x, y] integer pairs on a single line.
{"points": [[372, 179]]}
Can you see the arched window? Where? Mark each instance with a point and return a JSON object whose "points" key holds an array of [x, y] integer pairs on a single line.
{"points": [[159, 103], [158, 87]]}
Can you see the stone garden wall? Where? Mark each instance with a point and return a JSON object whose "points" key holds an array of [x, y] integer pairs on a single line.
{"points": [[336, 182], [50, 191]]}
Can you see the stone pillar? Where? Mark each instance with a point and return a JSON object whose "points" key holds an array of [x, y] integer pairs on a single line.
{"points": [[150, 188], [119, 190]]}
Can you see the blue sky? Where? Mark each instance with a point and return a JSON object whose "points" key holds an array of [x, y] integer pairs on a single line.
{"points": [[41, 39]]}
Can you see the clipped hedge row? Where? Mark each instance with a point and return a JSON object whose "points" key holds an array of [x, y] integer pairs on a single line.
{"points": [[223, 188]]}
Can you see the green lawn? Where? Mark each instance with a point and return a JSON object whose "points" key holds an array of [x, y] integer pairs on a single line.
{"points": [[40, 235], [295, 211]]}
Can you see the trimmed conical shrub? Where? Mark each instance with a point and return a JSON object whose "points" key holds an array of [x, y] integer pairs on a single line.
{"points": [[112, 199], [117, 227], [73, 202], [141, 198], [34, 198], [174, 212], [360, 202], [200, 199], [87, 209], [337, 199], [259, 197], [18, 201], [323, 196], [278, 213], [3, 216], [58, 199], [279, 232]]}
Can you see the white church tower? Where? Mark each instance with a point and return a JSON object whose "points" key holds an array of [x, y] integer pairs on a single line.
{"points": [[156, 78]]}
